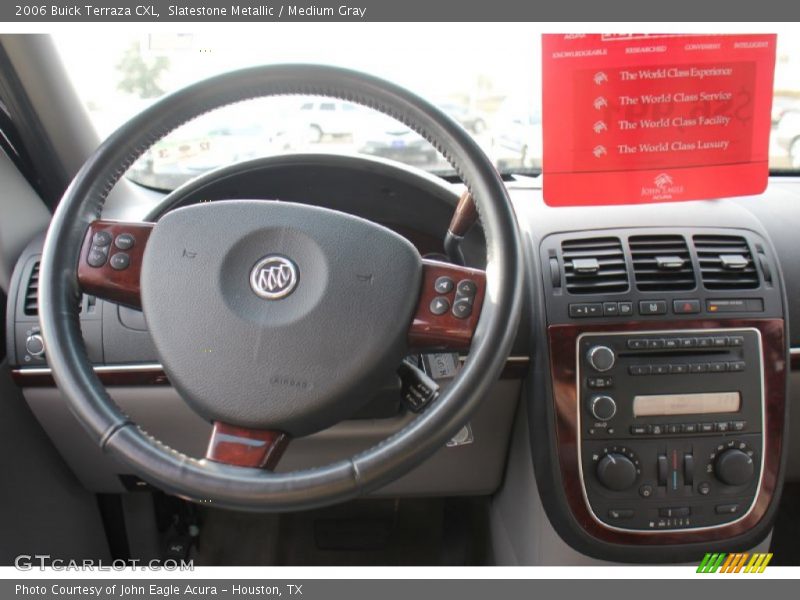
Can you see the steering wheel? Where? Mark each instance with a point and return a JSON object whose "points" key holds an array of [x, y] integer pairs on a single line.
{"points": [[274, 319]]}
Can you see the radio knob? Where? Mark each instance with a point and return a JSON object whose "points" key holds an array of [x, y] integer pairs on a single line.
{"points": [[34, 345], [616, 472], [603, 408], [601, 358], [734, 467]]}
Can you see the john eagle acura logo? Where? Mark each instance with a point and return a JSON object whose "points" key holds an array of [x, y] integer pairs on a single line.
{"points": [[273, 277], [663, 188]]}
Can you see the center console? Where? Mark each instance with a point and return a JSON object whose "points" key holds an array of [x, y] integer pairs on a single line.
{"points": [[671, 426], [666, 356]]}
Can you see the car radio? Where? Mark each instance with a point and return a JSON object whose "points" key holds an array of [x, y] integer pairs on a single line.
{"points": [[670, 426]]}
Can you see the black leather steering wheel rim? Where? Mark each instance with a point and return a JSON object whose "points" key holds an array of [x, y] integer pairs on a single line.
{"points": [[251, 489]]}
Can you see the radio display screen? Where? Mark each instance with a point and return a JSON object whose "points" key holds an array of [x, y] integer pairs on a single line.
{"points": [[686, 404]]}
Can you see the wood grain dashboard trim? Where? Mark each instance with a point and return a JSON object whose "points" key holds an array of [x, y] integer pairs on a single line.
{"points": [[516, 367], [562, 340]]}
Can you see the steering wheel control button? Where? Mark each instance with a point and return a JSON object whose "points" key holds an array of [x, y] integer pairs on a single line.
{"points": [[273, 277], [467, 288], [97, 256], [444, 285], [120, 261], [462, 308], [652, 307], [124, 241], [439, 305], [601, 358], [101, 238]]}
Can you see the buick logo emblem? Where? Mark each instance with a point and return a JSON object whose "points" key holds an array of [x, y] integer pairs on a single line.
{"points": [[273, 277]]}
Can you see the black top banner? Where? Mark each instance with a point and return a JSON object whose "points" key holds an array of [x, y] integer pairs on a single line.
{"points": [[25, 11]]}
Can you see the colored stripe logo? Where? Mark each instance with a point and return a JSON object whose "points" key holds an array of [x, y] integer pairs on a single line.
{"points": [[739, 562]]}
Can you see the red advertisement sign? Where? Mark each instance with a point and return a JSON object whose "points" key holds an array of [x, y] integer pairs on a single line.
{"points": [[646, 118]]}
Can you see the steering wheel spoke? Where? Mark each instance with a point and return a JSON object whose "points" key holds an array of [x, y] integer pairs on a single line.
{"points": [[448, 308], [245, 447], [111, 260]]}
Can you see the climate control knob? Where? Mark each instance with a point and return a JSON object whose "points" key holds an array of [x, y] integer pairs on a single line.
{"points": [[616, 471], [601, 358], [603, 408], [734, 467]]}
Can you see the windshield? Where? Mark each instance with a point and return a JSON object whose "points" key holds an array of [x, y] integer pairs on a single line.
{"points": [[486, 77]]}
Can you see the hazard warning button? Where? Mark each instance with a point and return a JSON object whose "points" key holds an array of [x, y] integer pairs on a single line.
{"points": [[686, 307]]}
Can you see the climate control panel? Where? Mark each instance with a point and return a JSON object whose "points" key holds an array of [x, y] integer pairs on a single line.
{"points": [[670, 427]]}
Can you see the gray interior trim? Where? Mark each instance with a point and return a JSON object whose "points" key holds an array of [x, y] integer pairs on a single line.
{"points": [[471, 469], [22, 216], [44, 77]]}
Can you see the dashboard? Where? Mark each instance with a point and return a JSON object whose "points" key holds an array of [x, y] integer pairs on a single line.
{"points": [[653, 361]]}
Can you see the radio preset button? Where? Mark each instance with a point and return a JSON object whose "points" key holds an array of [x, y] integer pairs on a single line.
{"points": [[690, 428], [718, 367], [678, 369], [736, 366], [660, 370], [639, 369], [656, 344], [698, 368], [637, 344], [706, 428]]}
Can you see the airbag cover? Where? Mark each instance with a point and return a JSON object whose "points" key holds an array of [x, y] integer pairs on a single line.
{"points": [[297, 363]]}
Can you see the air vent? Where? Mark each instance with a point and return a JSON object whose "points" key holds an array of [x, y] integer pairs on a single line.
{"points": [[725, 262], [594, 266], [661, 263], [32, 292]]}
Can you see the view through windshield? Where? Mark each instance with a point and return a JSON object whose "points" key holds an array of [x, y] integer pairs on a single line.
{"points": [[490, 82]]}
